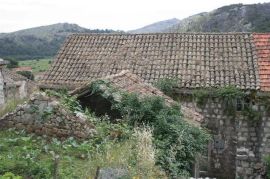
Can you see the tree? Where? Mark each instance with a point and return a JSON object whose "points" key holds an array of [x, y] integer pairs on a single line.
{"points": [[12, 63]]}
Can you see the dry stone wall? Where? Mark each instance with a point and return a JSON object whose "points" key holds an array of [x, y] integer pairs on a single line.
{"points": [[239, 144], [44, 115]]}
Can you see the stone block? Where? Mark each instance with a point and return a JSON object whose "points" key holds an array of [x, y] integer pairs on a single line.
{"points": [[245, 164], [267, 124], [112, 173], [242, 138], [241, 157]]}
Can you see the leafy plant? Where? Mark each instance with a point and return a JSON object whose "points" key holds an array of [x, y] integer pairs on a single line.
{"points": [[167, 85], [9, 175], [175, 153], [28, 74], [228, 97]]}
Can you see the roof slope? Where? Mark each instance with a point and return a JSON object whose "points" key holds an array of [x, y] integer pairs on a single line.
{"points": [[10, 78], [262, 43], [128, 82], [197, 59]]}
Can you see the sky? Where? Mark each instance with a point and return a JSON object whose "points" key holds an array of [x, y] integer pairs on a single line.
{"points": [[104, 14]]}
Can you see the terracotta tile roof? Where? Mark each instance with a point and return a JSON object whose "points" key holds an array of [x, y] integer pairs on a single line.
{"points": [[24, 68], [10, 78], [262, 43], [197, 59], [128, 82]]}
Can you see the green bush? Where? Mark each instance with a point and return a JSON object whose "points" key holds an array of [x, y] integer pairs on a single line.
{"points": [[177, 142], [28, 74], [12, 63], [9, 175], [167, 85]]}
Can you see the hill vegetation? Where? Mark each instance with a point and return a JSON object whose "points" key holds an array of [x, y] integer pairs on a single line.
{"points": [[157, 27], [39, 42], [232, 18]]}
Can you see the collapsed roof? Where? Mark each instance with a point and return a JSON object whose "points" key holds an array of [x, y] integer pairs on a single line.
{"points": [[128, 82]]}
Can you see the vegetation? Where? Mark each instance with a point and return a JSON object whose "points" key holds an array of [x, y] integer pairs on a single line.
{"points": [[176, 141], [31, 156], [116, 145], [10, 175], [10, 106], [28, 74], [39, 42], [149, 136], [38, 65], [167, 86], [229, 97], [232, 18], [12, 63]]}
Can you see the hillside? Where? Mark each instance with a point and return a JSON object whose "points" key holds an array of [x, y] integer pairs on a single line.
{"points": [[38, 42], [157, 27], [232, 18]]}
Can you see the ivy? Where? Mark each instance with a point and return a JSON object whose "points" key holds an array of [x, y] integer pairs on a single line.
{"points": [[228, 97], [167, 86]]}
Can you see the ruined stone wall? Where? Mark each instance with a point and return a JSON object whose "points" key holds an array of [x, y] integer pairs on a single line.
{"points": [[19, 90], [2, 95], [46, 116], [239, 144]]}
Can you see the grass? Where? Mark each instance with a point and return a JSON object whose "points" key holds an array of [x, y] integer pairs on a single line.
{"points": [[39, 65], [10, 106], [32, 156]]}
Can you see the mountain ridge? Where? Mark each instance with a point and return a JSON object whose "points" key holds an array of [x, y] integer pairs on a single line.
{"points": [[39, 42], [156, 27]]}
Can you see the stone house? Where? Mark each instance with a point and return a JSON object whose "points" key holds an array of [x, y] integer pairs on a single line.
{"points": [[12, 85], [199, 61]]}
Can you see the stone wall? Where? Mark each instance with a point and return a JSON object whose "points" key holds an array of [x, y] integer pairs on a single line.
{"points": [[239, 144], [2, 96], [19, 90], [44, 115]]}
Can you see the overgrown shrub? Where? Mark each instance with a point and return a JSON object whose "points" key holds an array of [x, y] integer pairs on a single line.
{"points": [[176, 141], [28, 74], [12, 63], [167, 85], [9, 175], [228, 97]]}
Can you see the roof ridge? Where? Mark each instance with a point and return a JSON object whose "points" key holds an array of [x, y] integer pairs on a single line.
{"points": [[164, 33]]}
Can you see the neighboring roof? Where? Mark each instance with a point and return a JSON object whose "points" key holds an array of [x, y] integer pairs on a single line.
{"points": [[197, 59], [3, 62], [10, 78], [24, 68], [262, 43], [128, 82]]}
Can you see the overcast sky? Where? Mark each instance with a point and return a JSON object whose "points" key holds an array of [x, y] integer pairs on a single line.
{"points": [[112, 14]]}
